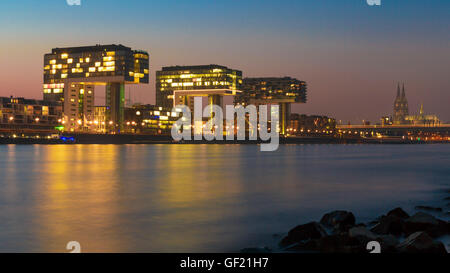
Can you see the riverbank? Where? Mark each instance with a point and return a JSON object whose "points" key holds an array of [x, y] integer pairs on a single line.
{"points": [[425, 231]]}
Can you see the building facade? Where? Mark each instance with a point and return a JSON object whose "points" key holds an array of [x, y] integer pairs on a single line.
{"points": [[303, 124], [401, 109], [29, 117], [150, 119], [282, 91], [70, 74], [177, 85]]}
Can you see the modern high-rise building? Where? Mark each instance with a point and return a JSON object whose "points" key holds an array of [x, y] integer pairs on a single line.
{"points": [[177, 85], [71, 74], [281, 91]]}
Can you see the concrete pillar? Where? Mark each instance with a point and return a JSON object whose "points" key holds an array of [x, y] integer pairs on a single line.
{"points": [[285, 113]]}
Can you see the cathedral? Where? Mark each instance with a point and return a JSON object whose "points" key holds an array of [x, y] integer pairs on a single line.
{"points": [[401, 112]]}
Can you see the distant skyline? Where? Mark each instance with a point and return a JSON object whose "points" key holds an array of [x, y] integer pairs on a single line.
{"points": [[352, 55]]}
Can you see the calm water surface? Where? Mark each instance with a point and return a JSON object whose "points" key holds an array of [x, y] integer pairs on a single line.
{"points": [[208, 198]]}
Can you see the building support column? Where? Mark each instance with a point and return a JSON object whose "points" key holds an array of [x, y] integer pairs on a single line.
{"points": [[215, 99], [285, 113]]}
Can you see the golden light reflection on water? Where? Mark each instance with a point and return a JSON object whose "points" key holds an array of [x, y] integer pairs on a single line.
{"points": [[85, 190], [190, 198], [76, 197]]}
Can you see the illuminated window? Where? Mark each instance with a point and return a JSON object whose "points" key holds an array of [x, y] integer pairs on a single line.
{"points": [[87, 75], [111, 53], [91, 69], [69, 61], [97, 64], [64, 56], [88, 59], [63, 76], [146, 71], [110, 63]]}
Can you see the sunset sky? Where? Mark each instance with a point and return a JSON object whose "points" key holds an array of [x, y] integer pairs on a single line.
{"points": [[351, 55]]}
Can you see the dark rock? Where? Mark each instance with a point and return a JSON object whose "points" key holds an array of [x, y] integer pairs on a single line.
{"points": [[256, 250], [398, 212], [421, 242], [426, 208], [305, 246], [338, 220], [302, 233], [388, 243], [424, 222], [447, 198], [340, 243], [389, 225], [362, 233]]}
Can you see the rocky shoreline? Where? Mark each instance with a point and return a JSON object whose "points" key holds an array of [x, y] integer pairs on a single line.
{"points": [[395, 232]]}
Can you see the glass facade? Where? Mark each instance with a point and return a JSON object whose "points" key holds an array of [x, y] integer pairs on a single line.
{"points": [[71, 74], [274, 90]]}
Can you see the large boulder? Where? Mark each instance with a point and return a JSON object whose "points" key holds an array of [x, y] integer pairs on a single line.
{"points": [[398, 212], [421, 242], [425, 222], [362, 233], [388, 243], [338, 220], [303, 233], [389, 225]]}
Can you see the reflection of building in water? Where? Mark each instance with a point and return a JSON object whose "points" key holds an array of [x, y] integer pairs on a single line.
{"points": [[401, 112]]}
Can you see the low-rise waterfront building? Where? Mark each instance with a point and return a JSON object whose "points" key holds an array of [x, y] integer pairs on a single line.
{"points": [[304, 124], [149, 119]]}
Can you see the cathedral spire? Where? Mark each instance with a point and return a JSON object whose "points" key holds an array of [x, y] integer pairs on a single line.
{"points": [[403, 92], [398, 90]]}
